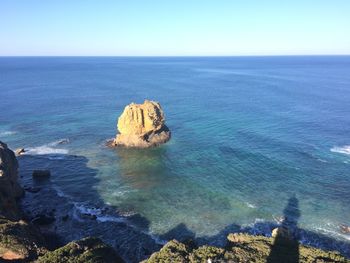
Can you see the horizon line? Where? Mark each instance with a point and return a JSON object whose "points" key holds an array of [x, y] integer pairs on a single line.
{"points": [[136, 56]]}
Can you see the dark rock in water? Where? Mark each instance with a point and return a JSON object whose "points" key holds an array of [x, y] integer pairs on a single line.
{"points": [[89, 216], [345, 229], [65, 218], [20, 151], [87, 250], [43, 219], [41, 174], [63, 141], [10, 190], [32, 189], [20, 241]]}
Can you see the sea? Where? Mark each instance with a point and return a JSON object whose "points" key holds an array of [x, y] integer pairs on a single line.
{"points": [[249, 134]]}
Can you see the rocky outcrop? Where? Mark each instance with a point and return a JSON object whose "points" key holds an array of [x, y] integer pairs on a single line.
{"points": [[87, 250], [142, 125], [243, 248], [23, 242], [10, 190], [20, 241]]}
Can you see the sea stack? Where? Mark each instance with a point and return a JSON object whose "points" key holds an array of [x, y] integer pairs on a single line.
{"points": [[142, 126]]}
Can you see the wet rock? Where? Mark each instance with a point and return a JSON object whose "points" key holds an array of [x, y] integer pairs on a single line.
{"points": [[89, 216], [43, 219], [32, 189], [41, 174], [87, 250], [20, 151], [345, 229], [65, 218], [142, 125], [63, 141]]}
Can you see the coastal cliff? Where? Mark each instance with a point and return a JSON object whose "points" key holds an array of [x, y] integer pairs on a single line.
{"points": [[142, 126], [10, 190], [21, 241]]}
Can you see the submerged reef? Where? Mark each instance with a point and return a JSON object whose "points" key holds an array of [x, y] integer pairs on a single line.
{"points": [[142, 126]]}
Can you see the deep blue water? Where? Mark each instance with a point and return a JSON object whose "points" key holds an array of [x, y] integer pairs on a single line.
{"points": [[248, 133]]}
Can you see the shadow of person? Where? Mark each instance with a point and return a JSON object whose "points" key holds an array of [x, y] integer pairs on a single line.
{"points": [[286, 243]]}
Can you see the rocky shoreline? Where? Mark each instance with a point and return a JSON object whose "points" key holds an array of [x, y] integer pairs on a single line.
{"points": [[41, 229]]}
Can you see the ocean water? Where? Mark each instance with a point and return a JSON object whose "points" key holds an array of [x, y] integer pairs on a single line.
{"points": [[248, 134]]}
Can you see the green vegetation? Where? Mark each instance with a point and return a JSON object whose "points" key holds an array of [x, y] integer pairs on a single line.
{"points": [[19, 240], [87, 250]]}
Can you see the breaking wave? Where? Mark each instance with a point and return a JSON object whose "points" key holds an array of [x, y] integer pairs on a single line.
{"points": [[7, 133], [343, 149], [50, 148]]}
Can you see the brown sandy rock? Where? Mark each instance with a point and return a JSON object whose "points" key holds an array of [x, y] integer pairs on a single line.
{"points": [[142, 125]]}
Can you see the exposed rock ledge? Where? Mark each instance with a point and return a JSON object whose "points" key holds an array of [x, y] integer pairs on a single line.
{"points": [[142, 125], [244, 248]]}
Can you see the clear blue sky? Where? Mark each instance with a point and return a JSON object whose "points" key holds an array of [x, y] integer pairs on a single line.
{"points": [[174, 27]]}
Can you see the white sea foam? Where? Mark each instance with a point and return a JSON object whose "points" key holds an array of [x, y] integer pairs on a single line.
{"points": [[59, 142], [333, 233], [49, 148], [45, 149], [60, 193], [343, 149], [81, 210], [7, 133], [250, 205]]}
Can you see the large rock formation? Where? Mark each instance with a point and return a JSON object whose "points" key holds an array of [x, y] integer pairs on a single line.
{"points": [[10, 190], [142, 125]]}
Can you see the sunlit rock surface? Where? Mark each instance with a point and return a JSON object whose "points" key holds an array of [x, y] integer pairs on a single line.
{"points": [[142, 125]]}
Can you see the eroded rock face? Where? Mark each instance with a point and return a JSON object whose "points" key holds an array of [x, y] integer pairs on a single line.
{"points": [[10, 190], [142, 125]]}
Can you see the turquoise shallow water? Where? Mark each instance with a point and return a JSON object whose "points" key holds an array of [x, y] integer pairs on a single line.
{"points": [[249, 133]]}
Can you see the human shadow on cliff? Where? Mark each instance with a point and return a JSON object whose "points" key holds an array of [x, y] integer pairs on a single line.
{"points": [[286, 243], [71, 196]]}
